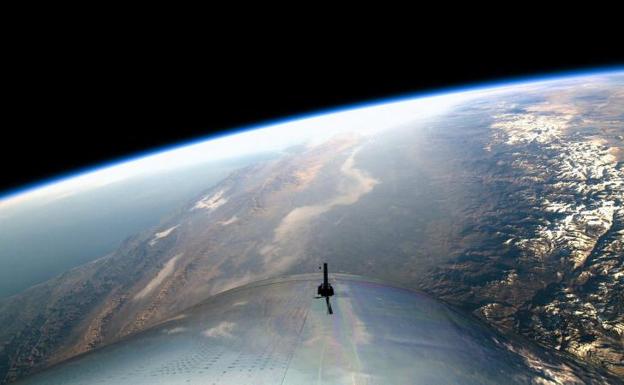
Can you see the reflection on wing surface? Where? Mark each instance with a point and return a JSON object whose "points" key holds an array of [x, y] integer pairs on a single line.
{"points": [[276, 332]]}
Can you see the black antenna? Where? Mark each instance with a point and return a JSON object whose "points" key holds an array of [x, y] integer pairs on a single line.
{"points": [[325, 289]]}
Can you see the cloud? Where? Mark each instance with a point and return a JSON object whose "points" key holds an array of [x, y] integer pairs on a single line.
{"points": [[356, 183], [159, 278], [229, 221], [211, 202], [162, 234], [224, 329]]}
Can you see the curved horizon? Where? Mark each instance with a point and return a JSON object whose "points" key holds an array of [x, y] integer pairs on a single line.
{"points": [[11, 194]]}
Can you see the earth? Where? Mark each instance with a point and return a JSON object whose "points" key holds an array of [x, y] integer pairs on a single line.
{"points": [[505, 202]]}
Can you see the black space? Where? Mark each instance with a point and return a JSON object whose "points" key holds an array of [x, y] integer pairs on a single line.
{"points": [[76, 106]]}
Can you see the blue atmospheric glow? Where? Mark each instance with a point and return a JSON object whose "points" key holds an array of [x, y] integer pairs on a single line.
{"points": [[561, 75]]}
